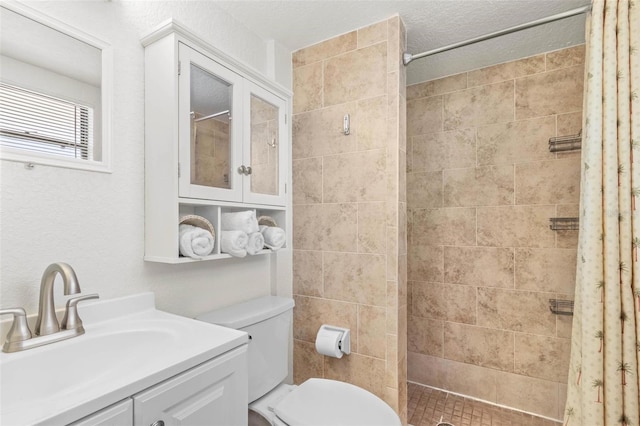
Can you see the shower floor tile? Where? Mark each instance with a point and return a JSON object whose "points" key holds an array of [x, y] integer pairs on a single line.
{"points": [[426, 406]]}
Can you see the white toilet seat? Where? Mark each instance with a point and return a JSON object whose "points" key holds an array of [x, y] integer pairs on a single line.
{"points": [[323, 402]]}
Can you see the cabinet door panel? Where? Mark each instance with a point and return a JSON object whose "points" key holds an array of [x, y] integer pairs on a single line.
{"points": [[210, 98], [214, 393], [265, 135]]}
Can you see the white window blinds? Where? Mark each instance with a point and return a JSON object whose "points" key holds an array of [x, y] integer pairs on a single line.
{"points": [[40, 123]]}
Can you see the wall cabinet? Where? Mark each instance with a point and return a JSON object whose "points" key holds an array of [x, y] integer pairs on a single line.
{"points": [[213, 393], [216, 138]]}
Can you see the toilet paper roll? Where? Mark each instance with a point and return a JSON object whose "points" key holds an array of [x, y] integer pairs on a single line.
{"points": [[328, 342]]}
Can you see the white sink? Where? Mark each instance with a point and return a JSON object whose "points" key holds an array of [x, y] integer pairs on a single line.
{"points": [[128, 346]]}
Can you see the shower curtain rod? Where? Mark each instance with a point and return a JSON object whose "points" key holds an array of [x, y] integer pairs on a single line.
{"points": [[408, 57]]}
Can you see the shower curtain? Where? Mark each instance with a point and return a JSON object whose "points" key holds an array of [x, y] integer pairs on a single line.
{"points": [[603, 386]]}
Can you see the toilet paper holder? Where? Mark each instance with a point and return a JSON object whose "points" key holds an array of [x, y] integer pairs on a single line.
{"points": [[344, 342]]}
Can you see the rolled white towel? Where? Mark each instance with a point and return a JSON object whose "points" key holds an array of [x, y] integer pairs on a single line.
{"points": [[274, 237], [195, 242], [244, 221], [234, 243], [256, 243]]}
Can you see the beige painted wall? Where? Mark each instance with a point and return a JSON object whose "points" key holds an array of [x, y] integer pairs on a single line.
{"points": [[481, 187], [349, 207]]}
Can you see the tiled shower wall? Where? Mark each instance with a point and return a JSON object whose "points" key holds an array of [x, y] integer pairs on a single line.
{"points": [[483, 263], [349, 208]]}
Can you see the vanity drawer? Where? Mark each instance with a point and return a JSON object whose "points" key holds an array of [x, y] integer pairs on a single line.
{"points": [[118, 414]]}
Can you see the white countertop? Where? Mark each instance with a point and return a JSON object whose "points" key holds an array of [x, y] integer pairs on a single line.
{"points": [[128, 346]]}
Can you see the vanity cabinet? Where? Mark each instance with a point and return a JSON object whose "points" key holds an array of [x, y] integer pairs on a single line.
{"points": [[216, 137], [214, 393]]}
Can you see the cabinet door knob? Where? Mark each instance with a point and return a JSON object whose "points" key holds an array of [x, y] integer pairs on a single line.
{"points": [[249, 170], [242, 170], [157, 423]]}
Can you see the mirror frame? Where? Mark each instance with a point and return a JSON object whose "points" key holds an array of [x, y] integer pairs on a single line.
{"points": [[106, 95]]}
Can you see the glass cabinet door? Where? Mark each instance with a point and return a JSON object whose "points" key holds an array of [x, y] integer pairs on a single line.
{"points": [[210, 98], [263, 148]]}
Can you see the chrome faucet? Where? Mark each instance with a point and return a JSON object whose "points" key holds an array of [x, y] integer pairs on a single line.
{"points": [[47, 322], [47, 328]]}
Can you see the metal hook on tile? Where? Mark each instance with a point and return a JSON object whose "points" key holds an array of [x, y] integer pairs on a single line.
{"points": [[346, 129], [29, 166]]}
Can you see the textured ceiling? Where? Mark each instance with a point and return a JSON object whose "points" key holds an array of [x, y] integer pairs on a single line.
{"points": [[430, 24]]}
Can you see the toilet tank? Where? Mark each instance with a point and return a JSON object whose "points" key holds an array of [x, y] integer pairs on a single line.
{"points": [[267, 320]]}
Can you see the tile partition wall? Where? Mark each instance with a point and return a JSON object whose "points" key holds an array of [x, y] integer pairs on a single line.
{"points": [[482, 262], [349, 208]]}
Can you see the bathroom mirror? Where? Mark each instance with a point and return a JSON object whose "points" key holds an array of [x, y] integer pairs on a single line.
{"points": [[55, 89]]}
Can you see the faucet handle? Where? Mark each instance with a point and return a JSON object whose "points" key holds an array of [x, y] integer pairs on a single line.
{"points": [[19, 329], [71, 320]]}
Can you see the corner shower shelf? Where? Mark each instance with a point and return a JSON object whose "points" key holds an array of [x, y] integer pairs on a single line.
{"points": [[561, 307], [566, 143], [564, 223]]}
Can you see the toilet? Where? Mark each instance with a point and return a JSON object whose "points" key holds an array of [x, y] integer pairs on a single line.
{"points": [[316, 402]]}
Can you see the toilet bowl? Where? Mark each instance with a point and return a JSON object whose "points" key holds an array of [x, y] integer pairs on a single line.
{"points": [[316, 402]]}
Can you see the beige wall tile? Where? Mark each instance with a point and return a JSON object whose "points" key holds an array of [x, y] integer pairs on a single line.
{"points": [[325, 49], [548, 182], [551, 270], [443, 150], [424, 115], [426, 369], [372, 123], [310, 313], [371, 331], [564, 324], [479, 266], [327, 226], [447, 84], [307, 86], [428, 300], [320, 132], [492, 74], [372, 234], [471, 380], [424, 190], [358, 278], [515, 226], [425, 336], [450, 226], [363, 371], [394, 53], [562, 400], [530, 65], [391, 374], [566, 57], [392, 307], [358, 176], [307, 273], [392, 253], [478, 106], [372, 34], [523, 311], [307, 362], [515, 142], [552, 92], [542, 357], [307, 180], [528, 394], [481, 346], [354, 75], [570, 123], [426, 263], [459, 303], [481, 186]]}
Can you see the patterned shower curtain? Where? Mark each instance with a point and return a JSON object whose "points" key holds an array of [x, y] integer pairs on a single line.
{"points": [[603, 386]]}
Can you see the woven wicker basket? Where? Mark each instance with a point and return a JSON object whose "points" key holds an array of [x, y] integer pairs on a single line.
{"points": [[198, 221], [267, 221]]}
